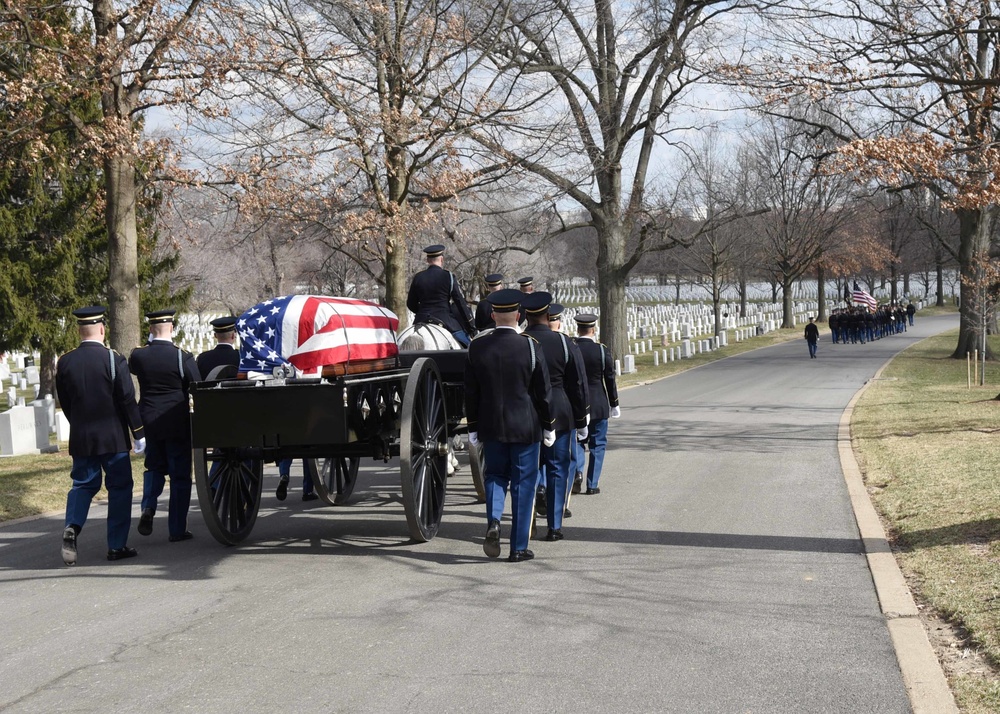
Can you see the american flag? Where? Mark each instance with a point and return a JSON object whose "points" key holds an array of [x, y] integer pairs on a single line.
{"points": [[310, 331], [860, 297]]}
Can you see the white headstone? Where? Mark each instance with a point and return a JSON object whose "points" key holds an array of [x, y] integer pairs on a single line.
{"points": [[17, 432], [4, 369], [629, 367], [31, 375], [22, 383], [62, 426], [11, 396], [40, 413], [656, 359]]}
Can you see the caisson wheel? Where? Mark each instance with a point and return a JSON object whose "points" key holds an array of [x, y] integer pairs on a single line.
{"points": [[423, 450], [229, 490], [334, 478]]}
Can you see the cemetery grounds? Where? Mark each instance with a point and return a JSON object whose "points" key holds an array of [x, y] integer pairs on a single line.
{"points": [[926, 443]]}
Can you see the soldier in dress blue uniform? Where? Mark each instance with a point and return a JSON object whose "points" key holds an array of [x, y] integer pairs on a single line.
{"points": [[435, 297], [484, 311], [507, 406], [569, 406], [599, 365], [165, 373], [527, 286], [96, 394], [225, 352]]}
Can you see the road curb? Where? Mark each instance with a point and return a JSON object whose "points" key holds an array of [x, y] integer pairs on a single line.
{"points": [[924, 679]]}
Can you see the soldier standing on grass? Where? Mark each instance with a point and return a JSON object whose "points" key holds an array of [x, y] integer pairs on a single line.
{"points": [[96, 395]]}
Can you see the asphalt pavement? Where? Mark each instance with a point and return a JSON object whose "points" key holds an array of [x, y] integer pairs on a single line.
{"points": [[719, 570]]}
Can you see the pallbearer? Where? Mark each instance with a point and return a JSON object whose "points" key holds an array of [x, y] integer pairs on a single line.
{"points": [[96, 395], [599, 364], [569, 406], [484, 312], [225, 352], [507, 405], [165, 373]]}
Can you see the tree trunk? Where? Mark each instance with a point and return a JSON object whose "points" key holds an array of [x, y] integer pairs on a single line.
{"points": [[906, 283], [975, 228], [787, 316], [716, 303], [893, 276], [821, 293], [743, 295], [47, 372], [123, 254], [395, 276], [611, 286], [939, 267]]}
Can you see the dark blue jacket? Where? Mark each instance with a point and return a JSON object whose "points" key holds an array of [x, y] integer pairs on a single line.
{"points": [[165, 373], [101, 409], [567, 377], [600, 367], [436, 297], [507, 393], [222, 354]]}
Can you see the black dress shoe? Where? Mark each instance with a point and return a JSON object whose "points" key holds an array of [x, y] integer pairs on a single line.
{"points": [[186, 535], [593, 491], [491, 546], [122, 553], [282, 489], [69, 546], [145, 526], [554, 534], [309, 496], [518, 555], [540, 507], [578, 483], [567, 513]]}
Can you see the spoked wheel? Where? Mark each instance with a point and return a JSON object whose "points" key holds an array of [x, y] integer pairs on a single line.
{"points": [[423, 450], [478, 467], [229, 488], [334, 478]]}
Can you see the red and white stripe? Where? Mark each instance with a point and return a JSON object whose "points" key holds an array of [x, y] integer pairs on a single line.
{"points": [[318, 330]]}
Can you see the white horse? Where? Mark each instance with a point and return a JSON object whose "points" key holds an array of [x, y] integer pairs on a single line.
{"points": [[425, 336]]}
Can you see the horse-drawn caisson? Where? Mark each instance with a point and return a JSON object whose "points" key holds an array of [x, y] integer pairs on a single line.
{"points": [[324, 379]]}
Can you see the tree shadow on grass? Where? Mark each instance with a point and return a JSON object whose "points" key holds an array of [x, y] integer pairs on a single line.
{"points": [[983, 531]]}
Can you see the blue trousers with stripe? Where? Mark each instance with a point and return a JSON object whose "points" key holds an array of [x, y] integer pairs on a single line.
{"points": [[512, 467]]}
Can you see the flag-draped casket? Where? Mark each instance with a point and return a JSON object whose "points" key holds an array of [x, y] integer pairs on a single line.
{"points": [[312, 331]]}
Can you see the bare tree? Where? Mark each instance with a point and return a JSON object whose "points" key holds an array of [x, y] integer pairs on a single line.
{"points": [[808, 205], [617, 70], [352, 121], [928, 72]]}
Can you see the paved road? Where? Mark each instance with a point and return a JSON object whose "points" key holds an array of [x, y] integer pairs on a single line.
{"points": [[719, 571]]}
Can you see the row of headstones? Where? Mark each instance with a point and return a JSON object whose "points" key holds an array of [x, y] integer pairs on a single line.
{"points": [[571, 293]]}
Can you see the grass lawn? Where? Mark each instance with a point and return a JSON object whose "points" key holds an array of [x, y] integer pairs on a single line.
{"points": [[928, 448]]}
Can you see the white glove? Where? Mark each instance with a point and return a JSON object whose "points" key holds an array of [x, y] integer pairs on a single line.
{"points": [[588, 420], [140, 446], [616, 412], [581, 434], [473, 438], [548, 438]]}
